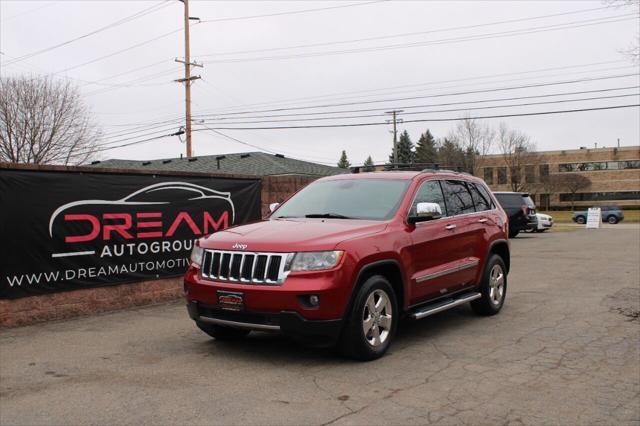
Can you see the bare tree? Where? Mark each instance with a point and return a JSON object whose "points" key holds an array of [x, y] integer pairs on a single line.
{"points": [[474, 138], [518, 152], [44, 121], [572, 183], [633, 51]]}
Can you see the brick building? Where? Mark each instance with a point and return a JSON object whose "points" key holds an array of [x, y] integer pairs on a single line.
{"points": [[614, 175]]}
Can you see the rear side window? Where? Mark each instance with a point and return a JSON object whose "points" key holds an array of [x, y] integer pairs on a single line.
{"points": [[481, 199], [510, 200], [457, 197], [429, 192]]}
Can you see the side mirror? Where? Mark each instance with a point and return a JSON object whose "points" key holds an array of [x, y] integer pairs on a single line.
{"points": [[273, 206], [426, 211]]}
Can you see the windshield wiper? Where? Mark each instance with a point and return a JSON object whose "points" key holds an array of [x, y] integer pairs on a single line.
{"points": [[327, 216]]}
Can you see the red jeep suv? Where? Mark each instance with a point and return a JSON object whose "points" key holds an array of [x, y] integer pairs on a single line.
{"points": [[348, 256]]}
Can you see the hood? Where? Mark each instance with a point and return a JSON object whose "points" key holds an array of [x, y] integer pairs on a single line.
{"points": [[289, 235]]}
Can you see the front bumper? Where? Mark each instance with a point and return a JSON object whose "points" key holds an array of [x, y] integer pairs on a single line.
{"points": [[312, 332]]}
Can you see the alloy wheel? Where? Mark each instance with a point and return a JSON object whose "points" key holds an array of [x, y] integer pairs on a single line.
{"points": [[377, 318], [496, 285]]}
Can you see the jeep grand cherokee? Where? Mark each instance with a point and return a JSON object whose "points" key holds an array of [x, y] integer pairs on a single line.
{"points": [[346, 257]]}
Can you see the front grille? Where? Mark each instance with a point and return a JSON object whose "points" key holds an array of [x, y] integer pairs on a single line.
{"points": [[245, 267]]}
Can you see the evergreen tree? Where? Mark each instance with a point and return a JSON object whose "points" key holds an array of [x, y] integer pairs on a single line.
{"points": [[368, 165], [426, 149], [406, 155], [450, 155], [344, 162]]}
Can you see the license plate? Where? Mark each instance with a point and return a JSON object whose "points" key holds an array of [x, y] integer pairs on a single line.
{"points": [[230, 300]]}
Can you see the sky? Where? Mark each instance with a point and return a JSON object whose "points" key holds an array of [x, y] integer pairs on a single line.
{"points": [[266, 63]]}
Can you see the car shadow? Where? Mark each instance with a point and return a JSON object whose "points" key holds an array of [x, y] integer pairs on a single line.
{"points": [[272, 348]]}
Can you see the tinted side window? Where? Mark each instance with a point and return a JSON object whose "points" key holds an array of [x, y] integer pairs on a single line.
{"points": [[458, 197], [481, 200], [429, 192], [483, 190], [510, 200]]}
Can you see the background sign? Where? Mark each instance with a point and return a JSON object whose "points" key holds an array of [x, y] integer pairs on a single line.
{"points": [[64, 231], [594, 217]]}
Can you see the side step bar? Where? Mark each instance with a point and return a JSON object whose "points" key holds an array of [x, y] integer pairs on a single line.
{"points": [[443, 306]]}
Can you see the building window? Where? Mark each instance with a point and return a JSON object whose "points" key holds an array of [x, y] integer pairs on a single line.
{"points": [[488, 175], [600, 165], [530, 174], [601, 196], [502, 175], [544, 170]]}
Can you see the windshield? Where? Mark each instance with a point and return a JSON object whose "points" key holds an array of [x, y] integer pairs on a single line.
{"points": [[376, 199]]}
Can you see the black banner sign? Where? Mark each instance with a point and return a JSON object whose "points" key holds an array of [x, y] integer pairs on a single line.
{"points": [[69, 230]]}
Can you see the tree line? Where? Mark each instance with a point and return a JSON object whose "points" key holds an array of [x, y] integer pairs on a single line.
{"points": [[464, 148]]}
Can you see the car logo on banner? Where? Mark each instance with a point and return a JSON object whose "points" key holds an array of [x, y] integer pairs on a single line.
{"points": [[141, 215]]}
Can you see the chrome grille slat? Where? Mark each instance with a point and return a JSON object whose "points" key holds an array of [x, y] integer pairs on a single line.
{"points": [[245, 267]]}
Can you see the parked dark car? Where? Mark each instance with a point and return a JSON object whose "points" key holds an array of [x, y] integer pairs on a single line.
{"points": [[520, 209], [611, 214]]}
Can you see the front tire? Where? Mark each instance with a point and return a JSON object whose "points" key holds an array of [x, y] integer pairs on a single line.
{"points": [[493, 288], [612, 220], [581, 220], [222, 333], [372, 322]]}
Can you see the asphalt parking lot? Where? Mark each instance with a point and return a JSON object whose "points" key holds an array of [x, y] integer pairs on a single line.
{"points": [[564, 350]]}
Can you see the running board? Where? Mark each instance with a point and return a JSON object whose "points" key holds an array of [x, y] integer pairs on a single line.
{"points": [[443, 306]]}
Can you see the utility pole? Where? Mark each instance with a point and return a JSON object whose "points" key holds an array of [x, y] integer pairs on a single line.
{"points": [[188, 78], [395, 136]]}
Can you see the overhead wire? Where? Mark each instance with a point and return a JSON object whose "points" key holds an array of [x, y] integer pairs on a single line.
{"points": [[435, 111], [410, 34], [320, 126], [304, 114], [533, 30], [467, 92], [291, 12], [114, 24], [415, 86]]}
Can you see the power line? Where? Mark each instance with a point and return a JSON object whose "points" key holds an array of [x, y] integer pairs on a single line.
{"points": [[468, 92], [117, 52], [35, 9], [533, 30], [415, 33], [174, 118], [425, 106], [291, 12], [114, 24], [439, 111], [337, 95], [255, 146], [430, 119]]}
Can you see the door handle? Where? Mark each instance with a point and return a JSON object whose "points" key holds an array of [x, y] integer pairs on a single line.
{"points": [[483, 220], [450, 227]]}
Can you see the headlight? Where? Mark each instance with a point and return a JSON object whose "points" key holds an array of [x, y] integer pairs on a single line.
{"points": [[315, 260], [196, 256]]}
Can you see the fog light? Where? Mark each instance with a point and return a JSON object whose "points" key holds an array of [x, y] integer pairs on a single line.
{"points": [[314, 300]]}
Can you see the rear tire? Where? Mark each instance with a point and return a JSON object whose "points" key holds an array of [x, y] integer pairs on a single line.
{"points": [[493, 288], [581, 220], [222, 333], [612, 220], [372, 322]]}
